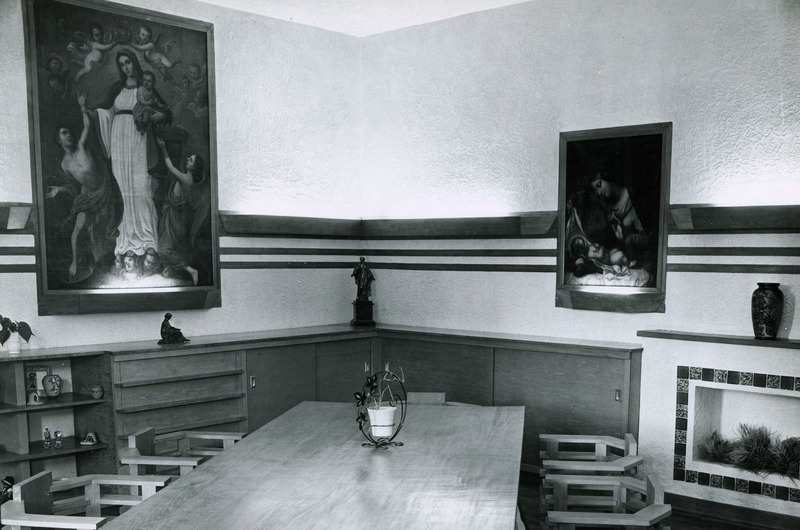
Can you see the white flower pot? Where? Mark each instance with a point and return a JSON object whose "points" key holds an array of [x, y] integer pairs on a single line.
{"points": [[12, 344], [382, 421]]}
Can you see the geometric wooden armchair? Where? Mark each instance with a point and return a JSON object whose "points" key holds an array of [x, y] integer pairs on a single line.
{"points": [[186, 447], [599, 460], [634, 503], [140, 455], [32, 504], [607, 455]]}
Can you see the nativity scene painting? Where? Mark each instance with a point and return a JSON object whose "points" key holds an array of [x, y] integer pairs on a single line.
{"points": [[123, 147], [613, 197]]}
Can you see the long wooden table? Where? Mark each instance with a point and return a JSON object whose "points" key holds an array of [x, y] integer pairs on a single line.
{"points": [[306, 469]]}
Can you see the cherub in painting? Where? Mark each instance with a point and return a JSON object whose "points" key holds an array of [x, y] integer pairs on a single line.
{"points": [[153, 54], [93, 47]]}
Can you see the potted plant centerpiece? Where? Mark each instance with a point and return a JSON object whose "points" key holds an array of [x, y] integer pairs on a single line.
{"points": [[381, 405], [11, 331]]}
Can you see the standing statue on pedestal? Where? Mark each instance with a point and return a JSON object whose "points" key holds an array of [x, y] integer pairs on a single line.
{"points": [[362, 307]]}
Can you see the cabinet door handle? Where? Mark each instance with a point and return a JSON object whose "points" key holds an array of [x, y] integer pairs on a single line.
{"points": [[252, 382], [617, 395]]}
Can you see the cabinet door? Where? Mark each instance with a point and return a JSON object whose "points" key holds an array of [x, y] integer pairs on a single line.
{"points": [[283, 377], [340, 368], [462, 372], [562, 394]]}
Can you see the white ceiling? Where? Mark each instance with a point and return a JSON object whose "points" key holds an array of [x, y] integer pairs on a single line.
{"points": [[362, 17]]}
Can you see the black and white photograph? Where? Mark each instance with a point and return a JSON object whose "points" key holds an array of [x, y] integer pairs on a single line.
{"points": [[400, 265]]}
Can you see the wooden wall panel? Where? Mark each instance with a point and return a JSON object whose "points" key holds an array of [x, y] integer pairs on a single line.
{"points": [[340, 368], [562, 394], [284, 378], [462, 372]]}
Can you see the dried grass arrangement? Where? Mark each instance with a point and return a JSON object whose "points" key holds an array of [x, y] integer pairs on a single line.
{"points": [[755, 449]]}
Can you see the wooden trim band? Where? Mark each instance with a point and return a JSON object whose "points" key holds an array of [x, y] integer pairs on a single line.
{"points": [[704, 218], [733, 251], [17, 251], [733, 268], [14, 268], [469, 267], [528, 225], [281, 251]]}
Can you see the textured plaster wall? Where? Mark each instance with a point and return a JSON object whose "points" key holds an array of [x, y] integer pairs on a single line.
{"points": [[463, 116], [469, 109], [286, 142]]}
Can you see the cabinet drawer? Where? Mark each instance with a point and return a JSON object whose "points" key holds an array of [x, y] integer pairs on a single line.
{"points": [[172, 392], [180, 418], [184, 366]]}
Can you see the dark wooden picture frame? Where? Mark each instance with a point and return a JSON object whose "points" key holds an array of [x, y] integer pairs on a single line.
{"points": [[123, 143], [613, 200]]}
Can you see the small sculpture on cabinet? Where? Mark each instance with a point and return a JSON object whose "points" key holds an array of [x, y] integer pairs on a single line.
{"points": [[58, 440], [169, 334], [362, 306], [47, 441], [90, 439]]}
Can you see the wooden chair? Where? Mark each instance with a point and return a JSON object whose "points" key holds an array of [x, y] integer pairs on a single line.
{"points": [[608, 456], [32, 505], [184, 439], [426, 398], [140, 455], [634, 503]]}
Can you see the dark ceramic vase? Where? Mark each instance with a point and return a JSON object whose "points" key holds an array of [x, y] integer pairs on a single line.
{"points": [[767, 310]]}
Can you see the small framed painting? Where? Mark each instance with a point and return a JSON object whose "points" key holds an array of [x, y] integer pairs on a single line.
{"points": [[122, 133], [613, 201]]}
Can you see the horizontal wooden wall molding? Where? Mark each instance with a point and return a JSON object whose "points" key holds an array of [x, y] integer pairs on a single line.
{"points": [[488, 252], [528, 225], [704, 218], [464, 267]]}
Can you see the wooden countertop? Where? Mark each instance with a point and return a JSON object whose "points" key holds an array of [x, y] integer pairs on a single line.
{"points": [[235, 341], [458, 469], [740, 340]]}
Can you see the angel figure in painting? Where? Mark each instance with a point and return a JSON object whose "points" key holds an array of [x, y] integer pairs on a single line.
{"points": [[93, 47], [152, 54], [176, 218]]}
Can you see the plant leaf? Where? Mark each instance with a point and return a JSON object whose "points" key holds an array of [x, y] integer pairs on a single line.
{"points": [[24, 331], [4, 334]]}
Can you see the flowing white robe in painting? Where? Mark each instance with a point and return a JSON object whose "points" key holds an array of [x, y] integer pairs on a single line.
{"points": [[127, 148]]}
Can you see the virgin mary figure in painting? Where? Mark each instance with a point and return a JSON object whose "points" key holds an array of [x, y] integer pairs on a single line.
{"points": [[127, 148], [606, 242]]}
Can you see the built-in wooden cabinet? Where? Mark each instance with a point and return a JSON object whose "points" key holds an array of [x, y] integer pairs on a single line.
{"points": [[239, 382], [22, 452]]}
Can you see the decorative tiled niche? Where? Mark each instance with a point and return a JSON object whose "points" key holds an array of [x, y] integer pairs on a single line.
{"points": [[730, 377]]}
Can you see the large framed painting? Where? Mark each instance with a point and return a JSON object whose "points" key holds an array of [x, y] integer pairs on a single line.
{"points": [[124, 163], [613, 201]]}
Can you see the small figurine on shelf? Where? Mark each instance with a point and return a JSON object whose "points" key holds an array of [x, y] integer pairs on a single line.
{"points": [[58, 440], [169, 334], [47, 441], [362, 306], [89, 439]]}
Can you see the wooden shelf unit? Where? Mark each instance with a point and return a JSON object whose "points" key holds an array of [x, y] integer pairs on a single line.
{"points": [[20, 455], [65, 400]]}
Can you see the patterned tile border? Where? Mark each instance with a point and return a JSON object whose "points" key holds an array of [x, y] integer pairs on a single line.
{"points": [[731, 377]]}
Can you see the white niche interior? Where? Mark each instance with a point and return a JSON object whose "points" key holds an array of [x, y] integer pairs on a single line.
{"points": [[722, 407]]}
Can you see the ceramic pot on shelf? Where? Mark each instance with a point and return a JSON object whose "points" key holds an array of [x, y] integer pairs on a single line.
{"points": [[52, 385], [766, 309], [382, 420], [12, 344]]}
